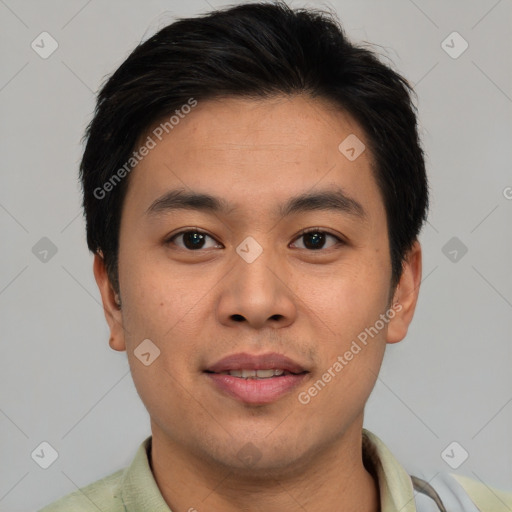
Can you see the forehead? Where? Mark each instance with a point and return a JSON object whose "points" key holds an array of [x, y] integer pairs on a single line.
{"points": [[297, 126], [264, 149]]}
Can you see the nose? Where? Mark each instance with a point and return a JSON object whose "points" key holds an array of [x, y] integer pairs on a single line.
{"points": [[258, 293]]}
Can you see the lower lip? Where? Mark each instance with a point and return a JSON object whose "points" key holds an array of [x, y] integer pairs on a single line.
{"points": [[256, 391]]}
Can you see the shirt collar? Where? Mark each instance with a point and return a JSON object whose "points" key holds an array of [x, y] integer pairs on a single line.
{"points": [[139, 490], [395, 485]]}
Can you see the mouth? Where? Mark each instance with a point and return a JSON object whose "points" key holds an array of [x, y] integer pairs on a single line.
{"points": [[257, 374], [255, 379]]}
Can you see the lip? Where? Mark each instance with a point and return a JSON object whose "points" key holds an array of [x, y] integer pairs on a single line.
{"points": [[256, 391], [244, 361]]}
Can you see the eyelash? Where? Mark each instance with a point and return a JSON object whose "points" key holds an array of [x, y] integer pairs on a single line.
{"points": [[339, 241]]}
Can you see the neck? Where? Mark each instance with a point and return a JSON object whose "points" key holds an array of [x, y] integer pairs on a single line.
{"points": [[335, 478]]}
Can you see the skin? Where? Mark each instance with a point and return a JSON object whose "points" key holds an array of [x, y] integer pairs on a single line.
{"points": [[197, 306]]}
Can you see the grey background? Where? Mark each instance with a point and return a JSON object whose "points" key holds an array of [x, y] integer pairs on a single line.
{"points": [[450, 380]]}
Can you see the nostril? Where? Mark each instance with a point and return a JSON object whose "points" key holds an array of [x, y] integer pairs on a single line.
{"points": [[238, 318]]}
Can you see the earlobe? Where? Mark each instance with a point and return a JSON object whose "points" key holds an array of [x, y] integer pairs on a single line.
{"points": [[111, 304], [116, 345], [406, 295]]}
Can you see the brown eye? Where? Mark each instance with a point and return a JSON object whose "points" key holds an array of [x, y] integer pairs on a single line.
{"points": [[192, 240], [316, 239]]}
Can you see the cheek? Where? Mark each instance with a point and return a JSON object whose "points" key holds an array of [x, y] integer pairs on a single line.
{"points": [[164, 394], [159, 300], [160, 307], [351, 348], [347, 299]]}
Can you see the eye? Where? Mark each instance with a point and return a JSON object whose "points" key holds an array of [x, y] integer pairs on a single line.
{"points": [[315, 239], [191, 239]]}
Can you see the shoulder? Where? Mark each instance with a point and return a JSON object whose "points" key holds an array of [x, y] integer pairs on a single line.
{"points": [[485, 497], [458, 493], [102, 495], [134, 484]]}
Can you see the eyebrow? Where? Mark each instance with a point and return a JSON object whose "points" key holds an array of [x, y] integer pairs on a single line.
{"points": [[326, 200]]}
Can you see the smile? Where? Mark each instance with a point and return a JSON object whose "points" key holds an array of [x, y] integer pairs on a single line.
{"points": [[256, 374]]}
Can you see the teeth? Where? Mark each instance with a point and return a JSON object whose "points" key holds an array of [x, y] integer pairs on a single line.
{"points": [[254, 374]]}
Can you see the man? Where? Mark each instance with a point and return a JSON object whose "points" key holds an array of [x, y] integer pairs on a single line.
{"points": [[254, 187]]}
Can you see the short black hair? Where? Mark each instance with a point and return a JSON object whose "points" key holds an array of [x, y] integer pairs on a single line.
{"points": [[253, 50]]}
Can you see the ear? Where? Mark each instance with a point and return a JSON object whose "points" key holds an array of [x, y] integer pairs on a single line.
{"points": [[111, 305], [406, 295]]}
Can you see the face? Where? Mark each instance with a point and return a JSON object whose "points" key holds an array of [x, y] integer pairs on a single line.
{"points": [[233, 275]]}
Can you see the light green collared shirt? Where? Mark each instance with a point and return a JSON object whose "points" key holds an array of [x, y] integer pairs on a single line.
{"points": [[134, 488]]}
